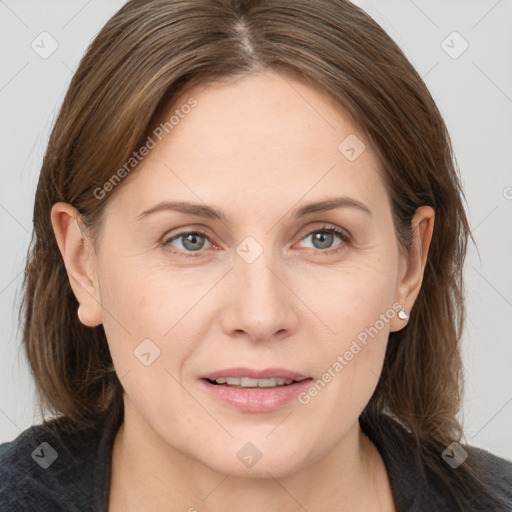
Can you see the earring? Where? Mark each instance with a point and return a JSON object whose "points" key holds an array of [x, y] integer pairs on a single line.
{"points": [[403, 315]]}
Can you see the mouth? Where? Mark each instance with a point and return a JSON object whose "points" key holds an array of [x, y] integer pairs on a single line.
{"points": [[255, 391], [249, 383]]}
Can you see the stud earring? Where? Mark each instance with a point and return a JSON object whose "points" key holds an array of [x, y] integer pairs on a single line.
{"points": [[403, 315]]}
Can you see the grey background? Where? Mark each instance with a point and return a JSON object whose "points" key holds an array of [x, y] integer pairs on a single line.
{"points": [[473, 92]]}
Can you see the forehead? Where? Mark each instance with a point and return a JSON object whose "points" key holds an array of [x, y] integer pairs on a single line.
{"points": [[268, 109], [263, 134]]}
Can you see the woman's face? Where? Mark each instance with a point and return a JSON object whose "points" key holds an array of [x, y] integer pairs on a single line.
{"points": [[264, 291]]}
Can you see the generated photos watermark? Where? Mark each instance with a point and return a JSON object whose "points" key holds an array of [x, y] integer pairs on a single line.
{"points": [[355, 348], [151, 142]]}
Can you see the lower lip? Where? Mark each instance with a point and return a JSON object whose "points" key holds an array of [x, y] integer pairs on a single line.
{"points": [[257, 399]]}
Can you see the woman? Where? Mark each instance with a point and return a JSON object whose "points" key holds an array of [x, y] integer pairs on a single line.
{"points": [[236, 297]]}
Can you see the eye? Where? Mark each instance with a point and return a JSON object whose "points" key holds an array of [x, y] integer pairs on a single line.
{"points": [[323, 238], [194, 241], [190, 241]]}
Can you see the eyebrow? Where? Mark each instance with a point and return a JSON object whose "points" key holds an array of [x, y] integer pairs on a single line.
{"points": [[201, 210]]}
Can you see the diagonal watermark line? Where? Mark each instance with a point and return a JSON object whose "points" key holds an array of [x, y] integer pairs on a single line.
{"points": [[424, 14], [165, 165], [280, 423], [14, 76], [425, 75], [492, 8], [495, 289], [378, 378], [20, 429], [289, 83], [198, 301], [300, 199], [14, 218], [11, 281], [385, 21], [302, 301], [200, 404], [76, 14], [492, 81], [106, 310], [510, 400], [286, 490], [488, 215], [216, 487], [12, 12], [72, 71], [124, 375]]}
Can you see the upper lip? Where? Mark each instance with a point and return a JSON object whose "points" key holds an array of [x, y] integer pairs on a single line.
{"points": [[253, 373]]}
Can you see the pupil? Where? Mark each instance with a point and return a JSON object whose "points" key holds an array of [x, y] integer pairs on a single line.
{"points": [[322, 237], [193, 239]]}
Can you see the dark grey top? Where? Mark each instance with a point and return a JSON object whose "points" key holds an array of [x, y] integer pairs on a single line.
{"points": [[52, 470]]}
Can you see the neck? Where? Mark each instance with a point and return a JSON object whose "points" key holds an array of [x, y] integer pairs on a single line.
{"points": [[149, 474]]}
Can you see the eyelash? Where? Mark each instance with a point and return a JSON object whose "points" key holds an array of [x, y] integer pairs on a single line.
{"points": [[345, 238]]}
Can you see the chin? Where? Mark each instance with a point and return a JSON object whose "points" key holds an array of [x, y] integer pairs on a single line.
{"points": [[277, 466], [254, 459]]}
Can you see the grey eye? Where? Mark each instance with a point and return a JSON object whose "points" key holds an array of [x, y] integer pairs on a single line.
{"points": [[190, 242]]}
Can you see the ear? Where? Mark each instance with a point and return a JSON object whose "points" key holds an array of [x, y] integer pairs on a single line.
{"points": [[80, 261], [412, 265]]}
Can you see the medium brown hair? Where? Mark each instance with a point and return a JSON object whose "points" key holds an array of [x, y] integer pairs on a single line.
{"points": [[151, 51]]}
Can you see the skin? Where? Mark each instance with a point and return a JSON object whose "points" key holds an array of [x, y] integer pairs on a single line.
{"points": [[255, 148]]}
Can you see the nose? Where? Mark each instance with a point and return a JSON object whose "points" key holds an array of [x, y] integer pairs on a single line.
{"points": [[259, 304]]}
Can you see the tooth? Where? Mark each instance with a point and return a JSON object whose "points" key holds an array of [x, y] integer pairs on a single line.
{"points": [[247, 382], [267, 383]]}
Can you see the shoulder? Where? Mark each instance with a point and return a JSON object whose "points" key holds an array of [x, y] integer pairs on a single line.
{"points": [[494, 469], [56, 467], [420, 485]]}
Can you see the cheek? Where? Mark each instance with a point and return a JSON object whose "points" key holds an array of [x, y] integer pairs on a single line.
{"points": [[351, 297], [144, 301], [356, 305], [144, 295]]}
